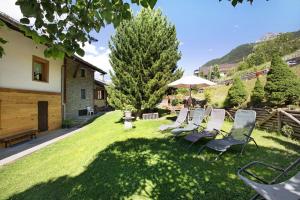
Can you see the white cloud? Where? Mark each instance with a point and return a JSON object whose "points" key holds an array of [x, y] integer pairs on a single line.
{"points": [[98, 56], [210, 50], [90, 49], [9, 8], [236, 26], [101, 48]]}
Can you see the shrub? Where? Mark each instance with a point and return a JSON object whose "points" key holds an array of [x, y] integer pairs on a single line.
{"points": [[258, 93], [216, 105], [283, 86], [67, 123], [207, 96], [237, 94], [243, 66], [175, 102], [287, 130]]}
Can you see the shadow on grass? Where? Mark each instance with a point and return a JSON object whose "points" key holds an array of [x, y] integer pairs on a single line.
{"points": [[172, 118], [284, 143], [156, 169]]}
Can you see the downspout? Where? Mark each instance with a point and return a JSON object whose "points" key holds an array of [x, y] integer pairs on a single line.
{"points": [[64, 85]]}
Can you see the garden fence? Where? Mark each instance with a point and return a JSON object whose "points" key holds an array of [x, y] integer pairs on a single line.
{"points": [[275, 119]]}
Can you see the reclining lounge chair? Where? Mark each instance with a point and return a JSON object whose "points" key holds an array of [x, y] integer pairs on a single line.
{"points": [[179, 121], [198, 116], [240, 134], [273, 190], [212, 129]]}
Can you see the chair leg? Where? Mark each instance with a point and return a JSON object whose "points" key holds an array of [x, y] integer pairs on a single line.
{"points": [[255, 197], [218, 156], [255, 143], [201, 149], [172, 138], [244, 145], [190, 145]]}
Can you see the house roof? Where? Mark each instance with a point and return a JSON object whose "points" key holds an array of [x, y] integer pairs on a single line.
{"points": [[100, 83], [14, 24], [80, 60]]}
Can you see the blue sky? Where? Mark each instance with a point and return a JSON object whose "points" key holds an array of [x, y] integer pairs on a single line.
{"points": [[207, 29]]}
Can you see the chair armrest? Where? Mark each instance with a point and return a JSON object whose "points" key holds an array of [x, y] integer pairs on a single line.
{"points": [[248, 136], [244, 170], [218, 132], [226, 133]]}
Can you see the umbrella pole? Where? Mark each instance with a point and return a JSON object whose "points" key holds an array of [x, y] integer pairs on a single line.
{"points": [[189, 113]]}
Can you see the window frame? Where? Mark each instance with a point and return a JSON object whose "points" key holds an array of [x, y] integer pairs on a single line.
{"points": [[45, 69], [81, 92], [100, 94], [84, 74]]}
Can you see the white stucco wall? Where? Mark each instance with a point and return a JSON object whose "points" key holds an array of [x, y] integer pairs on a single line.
{"points": [[16, 64]]}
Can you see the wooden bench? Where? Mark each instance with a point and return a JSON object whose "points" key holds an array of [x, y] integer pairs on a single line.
{"points": [[7, 140]]}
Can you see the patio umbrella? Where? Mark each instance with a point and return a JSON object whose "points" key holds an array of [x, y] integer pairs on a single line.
{"points": [[191, 82]]}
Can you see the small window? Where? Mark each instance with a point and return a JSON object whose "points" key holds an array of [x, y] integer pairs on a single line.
{"points": [[100, 94], [82, 72], [83, 96], [40, 69]]}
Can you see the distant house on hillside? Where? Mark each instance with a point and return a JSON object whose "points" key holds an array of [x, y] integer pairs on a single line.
{"points": [[38, 93], [225, 69]]}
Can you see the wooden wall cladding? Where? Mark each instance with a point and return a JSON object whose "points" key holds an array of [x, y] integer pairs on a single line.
{"points": [[19, 110]]}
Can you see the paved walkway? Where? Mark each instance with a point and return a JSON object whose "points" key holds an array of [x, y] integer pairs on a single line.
{"points": [[19, 150]]}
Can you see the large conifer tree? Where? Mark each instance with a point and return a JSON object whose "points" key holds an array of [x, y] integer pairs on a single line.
{"points": [[283, 85], [144, 55]]}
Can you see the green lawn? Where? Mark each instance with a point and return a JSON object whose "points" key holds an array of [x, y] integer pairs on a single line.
{"points": [[104, 161], [219, 92]]}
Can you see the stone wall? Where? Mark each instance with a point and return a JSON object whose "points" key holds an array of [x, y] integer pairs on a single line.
{"points": [[74, 103]]}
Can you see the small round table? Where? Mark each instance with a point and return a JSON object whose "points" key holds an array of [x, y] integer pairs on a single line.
{"points": [[128, 122]]}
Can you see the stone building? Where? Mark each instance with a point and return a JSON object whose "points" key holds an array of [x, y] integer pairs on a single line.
{"points": [[78, 87]]}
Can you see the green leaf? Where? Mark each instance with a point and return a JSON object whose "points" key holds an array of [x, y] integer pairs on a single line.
{"points": [[152, 3], [28, 8], [80, 52], [25, 20], [2, 41]]}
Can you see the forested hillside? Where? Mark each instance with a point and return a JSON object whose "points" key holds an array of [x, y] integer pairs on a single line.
{"points": [[258, 53], [234, 56]]}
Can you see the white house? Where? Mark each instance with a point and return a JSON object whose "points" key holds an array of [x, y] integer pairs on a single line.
{"points": [[37, 93], [30, 84]]}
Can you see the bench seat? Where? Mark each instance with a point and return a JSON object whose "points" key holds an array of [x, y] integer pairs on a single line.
{"points": [[7, 140]]}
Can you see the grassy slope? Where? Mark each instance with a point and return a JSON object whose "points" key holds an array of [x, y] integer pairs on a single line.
{"points": [[219, 93], [104, 161]]}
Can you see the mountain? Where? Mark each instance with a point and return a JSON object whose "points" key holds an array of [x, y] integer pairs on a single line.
{"points": [[242, 51], [234, 56]]}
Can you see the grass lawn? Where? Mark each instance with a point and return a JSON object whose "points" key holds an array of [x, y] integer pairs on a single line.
{"points": [[106, 162], [219, 92]]}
